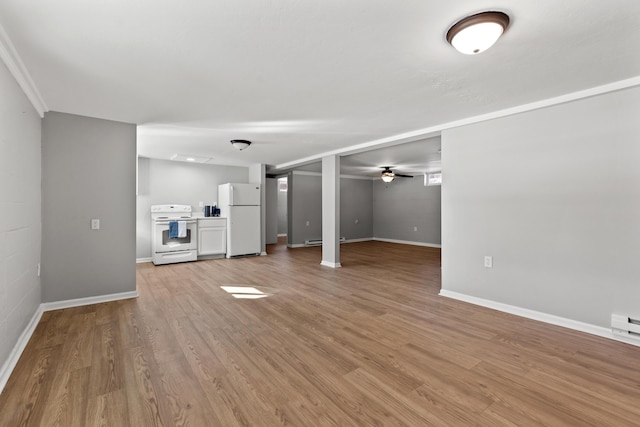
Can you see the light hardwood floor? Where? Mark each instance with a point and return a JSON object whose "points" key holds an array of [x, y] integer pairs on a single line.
{"points": [[368, 344]]}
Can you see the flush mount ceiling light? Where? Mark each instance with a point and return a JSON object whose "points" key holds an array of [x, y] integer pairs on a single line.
{"points": [[477, 33], [240, 144]]}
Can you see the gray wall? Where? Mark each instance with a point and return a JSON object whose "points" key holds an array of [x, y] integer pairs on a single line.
{"points": [[20, 214], [554, 196], [88, 171], [271, 211], [169, 182], [403, 204], [305, 198], [356, 199], [305, 204], [282, 211]]}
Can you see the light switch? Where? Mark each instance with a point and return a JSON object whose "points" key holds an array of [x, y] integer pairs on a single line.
{"points": [[95, 224]]}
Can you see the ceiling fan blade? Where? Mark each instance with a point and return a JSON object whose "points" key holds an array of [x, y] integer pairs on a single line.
{"points": [[404, 176]]}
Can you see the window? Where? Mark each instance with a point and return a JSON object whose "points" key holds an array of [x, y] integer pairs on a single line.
{"points": [[433, 178]]}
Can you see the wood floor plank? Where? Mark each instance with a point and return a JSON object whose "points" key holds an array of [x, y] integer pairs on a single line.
{"points": [[369, 344], [32, 381], [107, 410]]}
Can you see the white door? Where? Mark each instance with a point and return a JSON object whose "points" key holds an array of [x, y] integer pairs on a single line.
{"points": [[243, 230]]}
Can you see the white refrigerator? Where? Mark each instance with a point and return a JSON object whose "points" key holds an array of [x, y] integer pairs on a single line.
{"points": [[240, 204]]}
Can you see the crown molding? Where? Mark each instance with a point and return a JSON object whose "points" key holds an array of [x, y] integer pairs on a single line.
{"points": [[437, 129], [11, 59]]}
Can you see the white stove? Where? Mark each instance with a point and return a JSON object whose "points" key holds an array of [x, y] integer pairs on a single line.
{"points": [[167, 249]]}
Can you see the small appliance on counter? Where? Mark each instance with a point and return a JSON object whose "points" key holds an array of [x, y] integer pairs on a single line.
{"points": [[210, 211]]}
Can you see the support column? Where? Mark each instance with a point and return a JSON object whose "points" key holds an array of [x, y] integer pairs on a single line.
{"points": [[331, 211]]}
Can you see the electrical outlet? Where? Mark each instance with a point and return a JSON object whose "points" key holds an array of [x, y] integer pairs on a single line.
{"points": [[488, 262], [95, 224], [357, 221], [307, 223], [201, 204], [415, 228]]}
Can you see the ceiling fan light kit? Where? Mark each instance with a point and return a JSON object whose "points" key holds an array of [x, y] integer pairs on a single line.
{"points": [[240, 144], [387, 176], [477, 33]]}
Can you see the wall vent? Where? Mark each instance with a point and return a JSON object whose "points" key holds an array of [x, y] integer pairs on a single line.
{"points": [[626, 326], [317, 242]]}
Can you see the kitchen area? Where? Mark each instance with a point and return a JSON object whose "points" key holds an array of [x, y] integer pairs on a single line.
{"points": [[175, 216]]}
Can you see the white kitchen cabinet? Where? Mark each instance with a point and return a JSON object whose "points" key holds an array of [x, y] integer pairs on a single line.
{"points": [[212, 236]]}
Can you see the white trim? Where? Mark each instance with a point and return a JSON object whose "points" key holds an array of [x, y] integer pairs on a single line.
{"points": [[12, 60], [364, 239], [407, 242], [263, 253], [539, 316], [141, 260], [319, 174], [305, 173], [304, 245], [78, 302], [331, 264], [282, 235], [16, 352], [366, 178], [437, 129]]}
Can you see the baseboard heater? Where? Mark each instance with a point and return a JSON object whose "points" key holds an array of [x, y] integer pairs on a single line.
{"points": [[626, 326], [316, 242]]}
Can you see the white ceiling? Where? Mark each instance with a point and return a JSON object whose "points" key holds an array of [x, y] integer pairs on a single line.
{"points": [[302, 78]]}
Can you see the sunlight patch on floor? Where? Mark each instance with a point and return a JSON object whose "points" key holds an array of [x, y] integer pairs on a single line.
{"points": [[244, 292]]}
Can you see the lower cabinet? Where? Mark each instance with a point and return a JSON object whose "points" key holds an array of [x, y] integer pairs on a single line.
{"points": [[212, 236]]}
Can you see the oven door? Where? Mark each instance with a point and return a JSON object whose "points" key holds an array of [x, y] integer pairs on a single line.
{"points": [[163, 243]]}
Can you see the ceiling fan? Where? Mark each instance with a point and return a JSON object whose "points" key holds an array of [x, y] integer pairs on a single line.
{"points": [[388, 175]]}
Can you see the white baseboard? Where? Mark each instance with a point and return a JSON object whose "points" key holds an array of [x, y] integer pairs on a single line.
{"points": [[331, 264], [540, 316], [364, 239], [78, 302], [407, 242], [263, 253], [141, 260], [282, 235], [302, 245], [23, 340]]}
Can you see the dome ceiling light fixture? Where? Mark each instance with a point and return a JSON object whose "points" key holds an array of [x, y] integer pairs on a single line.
{"points": [[240, 144], [477, 33]]}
